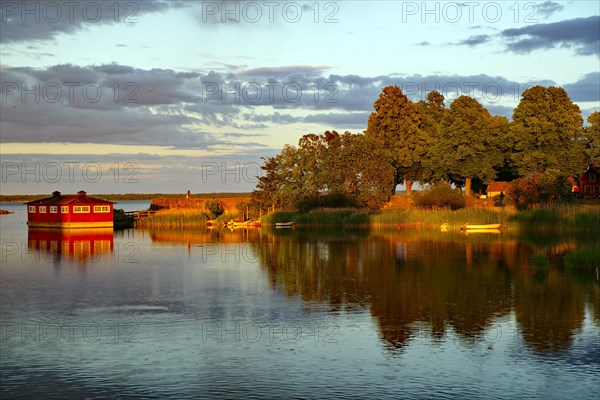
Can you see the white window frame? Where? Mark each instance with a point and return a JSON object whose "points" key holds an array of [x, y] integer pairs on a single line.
{"points": [[81, 209], [31, 209], [43, 210], [53, 209], [64, 209], [101, 209]]}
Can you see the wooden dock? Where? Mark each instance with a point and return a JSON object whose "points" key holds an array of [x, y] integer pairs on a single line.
{"points": [[123, 220]]}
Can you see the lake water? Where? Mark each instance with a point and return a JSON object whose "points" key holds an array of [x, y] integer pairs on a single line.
{"points": [[295, 314]]}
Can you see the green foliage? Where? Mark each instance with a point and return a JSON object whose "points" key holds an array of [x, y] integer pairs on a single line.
{"points": [[328, 170], [397, 126], [441, 195], [545, 131], [427, 217], [335, 199], [321, 218], [592, 137], [469, 145], [214, 207], [550, 187]]}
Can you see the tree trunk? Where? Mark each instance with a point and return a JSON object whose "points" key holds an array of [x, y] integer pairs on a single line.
{"points": [[409, 185], [468, 187]]}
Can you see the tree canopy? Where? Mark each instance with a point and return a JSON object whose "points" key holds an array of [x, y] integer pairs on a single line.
{"points": [[397, 125], [469, 144], [546, 129], [327, 170], [426, 142], [592, 137]]}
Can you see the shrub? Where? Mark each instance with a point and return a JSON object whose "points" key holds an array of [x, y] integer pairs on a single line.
{"points": [[549, 187], [441, 195], [214, 207], [330, 200]]}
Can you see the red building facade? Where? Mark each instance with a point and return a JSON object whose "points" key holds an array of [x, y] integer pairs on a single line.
{"points": [[70, 211], [589, 181]]}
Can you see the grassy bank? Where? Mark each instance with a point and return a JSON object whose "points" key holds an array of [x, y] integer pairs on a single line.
{"points": [[579, 216], [182, 218], [570, 217], [321, 218], [388, 218]]}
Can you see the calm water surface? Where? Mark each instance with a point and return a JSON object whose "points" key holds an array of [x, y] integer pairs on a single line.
{"points": [[295, 314]]}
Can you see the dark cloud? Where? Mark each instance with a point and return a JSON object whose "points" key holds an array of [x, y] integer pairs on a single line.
{"points": [[503, 111], [182, 109], [34, 20], [337, 121], [475, 40], [308, 70], [580, 34], [585, 89]]}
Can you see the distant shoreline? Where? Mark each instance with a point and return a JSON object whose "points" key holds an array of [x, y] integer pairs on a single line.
{"points": [[23, 198]]}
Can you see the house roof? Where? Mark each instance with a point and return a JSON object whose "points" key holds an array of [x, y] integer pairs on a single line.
{"points": [[499, 186], [592, 168], [64, 199]]}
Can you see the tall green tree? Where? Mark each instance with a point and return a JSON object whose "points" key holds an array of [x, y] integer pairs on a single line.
{"points": [[546, 130], [397, 125], [469, 144], [432, 112], [592, 137], [367, 177]]}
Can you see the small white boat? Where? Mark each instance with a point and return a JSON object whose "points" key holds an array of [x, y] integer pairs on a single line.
{"points": [[469, 227], [284, 225]]}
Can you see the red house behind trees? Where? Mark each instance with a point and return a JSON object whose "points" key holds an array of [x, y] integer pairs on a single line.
{"points": [[70, 211], [589, 181]]}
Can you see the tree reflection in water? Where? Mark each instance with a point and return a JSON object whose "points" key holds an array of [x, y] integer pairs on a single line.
{"points": [[448, 283]]}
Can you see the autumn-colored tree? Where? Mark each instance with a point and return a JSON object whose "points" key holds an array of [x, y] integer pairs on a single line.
{"points": [[546, 129], [397, 125], [327, 170], [432, 112], [214, 207], [469, 144], [592, 137], [367, 176], [540, 188]]}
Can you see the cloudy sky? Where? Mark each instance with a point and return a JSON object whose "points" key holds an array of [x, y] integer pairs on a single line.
{"points": [[166, 96]]}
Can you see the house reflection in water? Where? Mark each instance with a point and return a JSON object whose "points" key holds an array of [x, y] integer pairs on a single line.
{"points": [[83, 246]]}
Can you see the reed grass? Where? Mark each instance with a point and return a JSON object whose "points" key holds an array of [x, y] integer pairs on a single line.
{"points": [[327, 217], [560, 217], [228, 216], [438, 217], [174, 218]]}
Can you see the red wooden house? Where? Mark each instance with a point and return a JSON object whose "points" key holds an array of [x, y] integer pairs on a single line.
{"points": [[589, 181], [70, 211]]}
